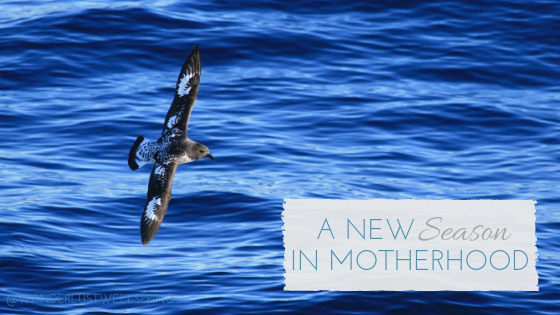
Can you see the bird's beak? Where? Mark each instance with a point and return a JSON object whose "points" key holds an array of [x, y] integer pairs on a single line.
{"points": [[210, 156]]}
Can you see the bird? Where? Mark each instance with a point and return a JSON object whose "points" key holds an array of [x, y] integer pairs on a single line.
{"points": [[171, 149]]}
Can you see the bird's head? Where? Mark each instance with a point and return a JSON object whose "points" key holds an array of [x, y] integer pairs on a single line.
{"points": [[201, 151]]}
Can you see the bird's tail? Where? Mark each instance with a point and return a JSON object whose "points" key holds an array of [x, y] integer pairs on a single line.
{"points": [[140, 153]]}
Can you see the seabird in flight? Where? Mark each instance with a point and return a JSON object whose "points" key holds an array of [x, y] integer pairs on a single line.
{"points": [[171, 149]]}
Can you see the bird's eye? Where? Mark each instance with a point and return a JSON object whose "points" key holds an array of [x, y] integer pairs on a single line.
{"points": [[201, 151]]}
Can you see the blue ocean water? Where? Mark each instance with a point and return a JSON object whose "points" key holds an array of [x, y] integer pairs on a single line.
{"points": [[298, 99]]}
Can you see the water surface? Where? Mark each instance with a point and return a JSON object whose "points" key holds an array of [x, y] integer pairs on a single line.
{"points": [[299, 99]]}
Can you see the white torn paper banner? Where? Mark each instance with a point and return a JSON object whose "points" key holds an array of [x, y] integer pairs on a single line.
{"points": [[421, 245]]}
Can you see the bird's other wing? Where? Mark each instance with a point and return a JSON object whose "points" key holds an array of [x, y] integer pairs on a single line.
{"points": [[186, 91], [159, 194]]}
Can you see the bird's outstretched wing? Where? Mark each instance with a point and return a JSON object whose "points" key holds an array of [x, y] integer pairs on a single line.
{"points": [[186, 91], [159, 194]]}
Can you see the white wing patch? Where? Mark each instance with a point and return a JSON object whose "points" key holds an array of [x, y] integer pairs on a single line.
{"points": [[173, 120], [159, 170], [184, 87], [150, 214]]}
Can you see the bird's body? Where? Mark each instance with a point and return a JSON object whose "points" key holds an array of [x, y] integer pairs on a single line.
{"points": [[170, 150]]}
